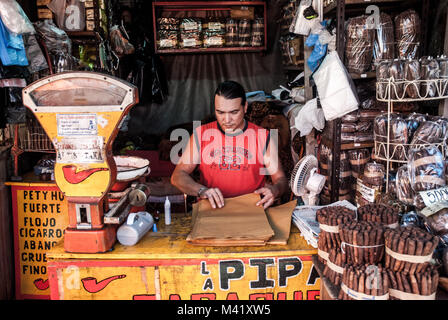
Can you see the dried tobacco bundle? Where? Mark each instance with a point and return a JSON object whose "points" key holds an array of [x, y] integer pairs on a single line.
{"points": [[415, 244], [329, 219], [364, 282], [387, 216], [334, 269], [362, 241], [410, 286]]}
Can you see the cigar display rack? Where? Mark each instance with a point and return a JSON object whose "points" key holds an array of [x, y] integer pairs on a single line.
{"points": [[390, 91]]}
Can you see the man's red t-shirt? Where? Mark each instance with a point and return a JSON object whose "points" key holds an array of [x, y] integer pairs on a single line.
{"points": [[232, 163]]}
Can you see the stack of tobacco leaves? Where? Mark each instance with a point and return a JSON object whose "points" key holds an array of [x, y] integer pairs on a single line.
{"points": [[409, 286], [363, 241], [408, 249], [387, 216], [335, 266], [329, 219], [364, 282]]}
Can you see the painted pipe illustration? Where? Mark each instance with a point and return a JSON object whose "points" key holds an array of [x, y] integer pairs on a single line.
{"points": [[74, 177], [93, 286], [41, 284]]}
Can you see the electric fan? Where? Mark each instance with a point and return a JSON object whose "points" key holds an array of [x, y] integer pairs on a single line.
{"points": [[305, 181]]}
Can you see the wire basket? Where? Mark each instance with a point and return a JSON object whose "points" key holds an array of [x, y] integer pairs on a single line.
{"points": [[32, 138], [398, 91]]}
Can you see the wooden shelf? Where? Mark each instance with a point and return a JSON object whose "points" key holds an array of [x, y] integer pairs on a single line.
{"points": [[348, 146], [210, 50], [191, 6], [365, 75], [333, 5]]}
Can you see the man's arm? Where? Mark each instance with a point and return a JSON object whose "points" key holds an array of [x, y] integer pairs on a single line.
{"points": [[274, 169], [181, 177]]}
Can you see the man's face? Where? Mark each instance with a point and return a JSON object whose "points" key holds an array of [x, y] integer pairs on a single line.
{"points": [[230, 113]]}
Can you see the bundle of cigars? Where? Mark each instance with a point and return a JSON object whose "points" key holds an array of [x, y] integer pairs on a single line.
{"points": [[409, 286], [408, 249], [362, 241], [376, 212], [364, 282], [334, 267], [329, 219]]}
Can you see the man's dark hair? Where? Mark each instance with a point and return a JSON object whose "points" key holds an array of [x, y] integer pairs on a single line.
{"points": [[231, 90]]}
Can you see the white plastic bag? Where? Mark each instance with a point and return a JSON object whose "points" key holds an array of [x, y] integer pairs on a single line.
{"points": [[14, 18], [300, 24], [309, 117], [334, 87]]}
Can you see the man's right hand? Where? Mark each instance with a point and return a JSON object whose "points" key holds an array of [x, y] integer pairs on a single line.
{"points": [[214, 196]]}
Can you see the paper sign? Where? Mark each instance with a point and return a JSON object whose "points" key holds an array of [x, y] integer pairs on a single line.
{"points": [[430, 197], [77, 124], [80, 150]]}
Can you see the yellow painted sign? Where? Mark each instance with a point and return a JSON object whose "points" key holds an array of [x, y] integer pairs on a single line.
{"points": [[40, 217], [266, 278]]}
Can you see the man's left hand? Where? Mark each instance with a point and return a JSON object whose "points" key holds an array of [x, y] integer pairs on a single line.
{"points": [[268, 196]]}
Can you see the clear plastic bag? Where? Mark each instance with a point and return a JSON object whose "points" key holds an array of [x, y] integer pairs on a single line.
{"points": [[244, 33], [358, 159], [300, 24], [14, 18], [374, 174], [429, 71], [411, 70], [397, 73], [407, 34], [382, 75], [257, 36], [403, 187], [359, 45], [384, 45], [414, 120], [426, 168], [120, 45], [428, 132], [231, 32]]}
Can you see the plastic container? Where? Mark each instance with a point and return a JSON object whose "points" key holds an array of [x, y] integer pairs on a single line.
{"points": [[136, 226]]}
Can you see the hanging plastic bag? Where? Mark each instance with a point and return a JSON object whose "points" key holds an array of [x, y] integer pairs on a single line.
{"points": [[303, 21], [309, 117], [55, 39], [336, 92], [13, 17], [58, 8], [12, 49], [120, 45], [34, 54]]}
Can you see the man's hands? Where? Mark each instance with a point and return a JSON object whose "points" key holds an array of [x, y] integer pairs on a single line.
{"points": [[214, 196], [268, 198]]}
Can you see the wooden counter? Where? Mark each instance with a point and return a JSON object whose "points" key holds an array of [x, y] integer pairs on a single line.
{"points": [[164, 266]]}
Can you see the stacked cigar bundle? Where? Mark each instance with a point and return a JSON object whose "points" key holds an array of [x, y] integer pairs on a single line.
{"points": [[334, 268], [408, 286], [387, 216], [329, 219], [362, 241], [364, 282], [408, 249]]}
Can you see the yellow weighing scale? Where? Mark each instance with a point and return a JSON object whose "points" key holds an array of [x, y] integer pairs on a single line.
{"points": [[81, 113]]}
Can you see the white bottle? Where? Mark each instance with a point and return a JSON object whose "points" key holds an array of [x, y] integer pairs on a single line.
{"points": [[167, 211]]}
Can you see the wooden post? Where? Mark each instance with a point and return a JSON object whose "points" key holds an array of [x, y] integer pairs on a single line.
{"points": [[6, 247]]}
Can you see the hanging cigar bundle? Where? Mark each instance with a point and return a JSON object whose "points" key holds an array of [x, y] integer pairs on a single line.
{"points": [[335, 266], [364, 282], [409, 286], [329, 219], [362, 241], [387, 216], [408, 249]]}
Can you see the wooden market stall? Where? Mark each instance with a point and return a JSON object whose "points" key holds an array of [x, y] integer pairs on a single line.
{"points": [[164, 266]]}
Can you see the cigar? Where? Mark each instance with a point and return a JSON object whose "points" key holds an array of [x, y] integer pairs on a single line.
{"points": [[424, 285], [414, 284], [411, 251], [407, 287]]}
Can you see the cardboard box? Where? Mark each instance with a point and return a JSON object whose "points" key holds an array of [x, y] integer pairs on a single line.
{"points": [[90, 14], [44, 13], [42, 2], [88, 4], [90, 25]]}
